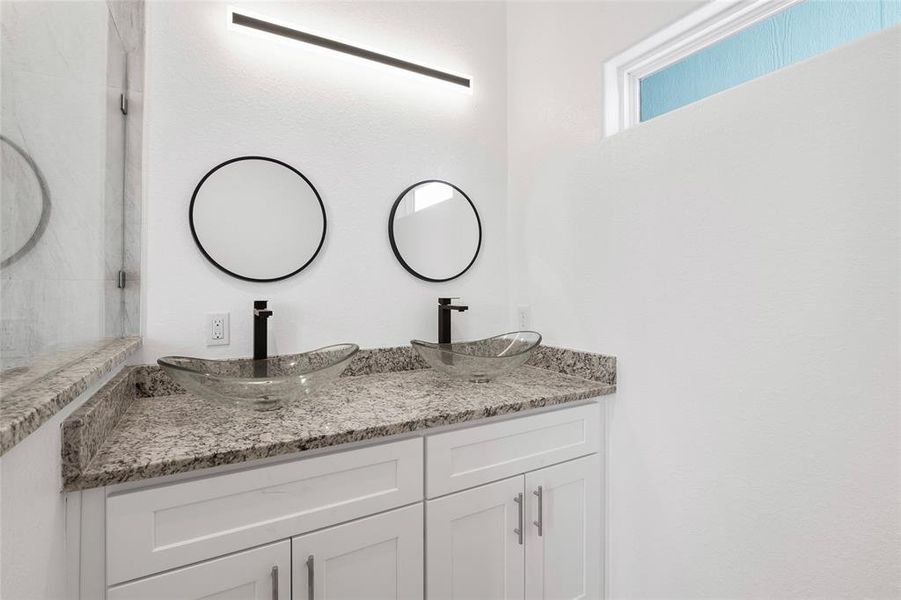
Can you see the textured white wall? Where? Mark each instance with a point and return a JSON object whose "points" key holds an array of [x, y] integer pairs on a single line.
{"points": [[361, 132], [740, 256], [33, 541]]}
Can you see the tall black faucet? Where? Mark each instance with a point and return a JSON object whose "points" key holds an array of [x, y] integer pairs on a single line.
{"points": [[444, 318], [261, 316]]}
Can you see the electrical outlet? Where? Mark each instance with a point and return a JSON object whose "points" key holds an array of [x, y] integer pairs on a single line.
{"points": [[217, 329], [524, 316]]}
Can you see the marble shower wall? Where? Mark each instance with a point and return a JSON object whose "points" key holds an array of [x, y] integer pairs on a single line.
{"points": [[63, 66]]}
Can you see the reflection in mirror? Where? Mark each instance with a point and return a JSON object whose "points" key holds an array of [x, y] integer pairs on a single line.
{"points": [[257, 219], [435, 230], [24, 202]]}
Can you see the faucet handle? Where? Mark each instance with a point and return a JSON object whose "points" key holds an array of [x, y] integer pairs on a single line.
{"points": [[445, 301], [260, 303]]}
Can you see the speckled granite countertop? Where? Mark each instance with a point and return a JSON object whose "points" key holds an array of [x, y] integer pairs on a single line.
{"points": [[137, 428], [30, 396]]}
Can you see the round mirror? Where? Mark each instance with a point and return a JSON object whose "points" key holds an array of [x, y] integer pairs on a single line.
{"points": [[257, 219], [435, 230], [24, 203]]}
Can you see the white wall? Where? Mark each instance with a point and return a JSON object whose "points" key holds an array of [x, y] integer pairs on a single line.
{"points": [[361, 132], [740, 256], [34, 547]]}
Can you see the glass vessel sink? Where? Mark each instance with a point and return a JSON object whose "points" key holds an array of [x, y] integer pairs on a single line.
{"points": [[480, 360], [261, 384]]}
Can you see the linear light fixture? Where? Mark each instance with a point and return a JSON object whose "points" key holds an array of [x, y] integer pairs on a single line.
{"points": [[309, 38]]}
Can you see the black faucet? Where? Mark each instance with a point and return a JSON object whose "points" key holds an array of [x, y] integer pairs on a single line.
{"points": [[261, 316], [444, 318]]}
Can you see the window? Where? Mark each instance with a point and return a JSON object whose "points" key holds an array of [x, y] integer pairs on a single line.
{"points": [[724, 44]]}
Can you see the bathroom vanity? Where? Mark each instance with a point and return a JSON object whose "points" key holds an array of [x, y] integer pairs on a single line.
{"points": [[393, 482]]}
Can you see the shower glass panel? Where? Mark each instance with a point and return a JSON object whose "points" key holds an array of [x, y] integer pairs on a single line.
{"points": [[70, 184]]}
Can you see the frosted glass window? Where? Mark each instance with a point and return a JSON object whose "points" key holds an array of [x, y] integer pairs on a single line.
{"points": [[799, 32]]}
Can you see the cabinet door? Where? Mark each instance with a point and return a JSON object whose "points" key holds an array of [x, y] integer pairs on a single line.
{"points": [[164, 527], [564, 557], [474, 550], [260, 574], [376, 558]]}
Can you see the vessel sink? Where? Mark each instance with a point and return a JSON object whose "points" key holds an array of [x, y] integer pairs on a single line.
{"points": [[480, 360], [261, 384]]}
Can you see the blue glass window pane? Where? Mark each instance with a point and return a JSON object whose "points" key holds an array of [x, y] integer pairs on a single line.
{"points": [[799, 32]]}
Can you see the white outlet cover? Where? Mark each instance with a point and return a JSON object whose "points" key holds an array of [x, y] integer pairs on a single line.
{"points": [[524, 316], [217, 329]]}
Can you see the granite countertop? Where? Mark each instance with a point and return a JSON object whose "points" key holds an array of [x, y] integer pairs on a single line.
{"points": [[31, 395], [127, 435]]}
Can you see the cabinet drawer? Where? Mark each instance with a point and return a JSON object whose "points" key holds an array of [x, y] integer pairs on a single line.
{"points": [[152, 530], [469, 457]]}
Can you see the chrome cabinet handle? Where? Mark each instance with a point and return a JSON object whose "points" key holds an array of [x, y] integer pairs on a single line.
{"points": [[275, 583], [518, 531], [540, 522], [310, 587]]}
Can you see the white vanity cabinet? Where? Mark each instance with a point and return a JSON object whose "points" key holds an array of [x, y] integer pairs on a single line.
{"points": [[564, 555], [451, 513], [377, 557], [473, 549], [259, 574], [533, 536], [162, 527]]}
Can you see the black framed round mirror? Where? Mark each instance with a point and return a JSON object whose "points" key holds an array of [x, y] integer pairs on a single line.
{"points": [[435, 230], [257, 219]]}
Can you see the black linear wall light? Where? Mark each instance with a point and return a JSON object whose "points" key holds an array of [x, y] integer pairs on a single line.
{"points": [[309, 38]]}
